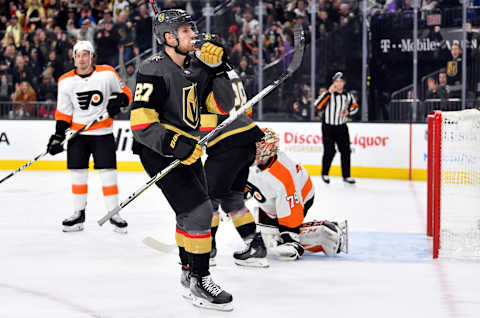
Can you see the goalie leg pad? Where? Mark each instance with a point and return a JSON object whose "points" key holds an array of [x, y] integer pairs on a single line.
{"points": [[317, 236]]}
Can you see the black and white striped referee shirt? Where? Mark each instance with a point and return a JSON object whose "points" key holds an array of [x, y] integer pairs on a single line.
{"points": [[334, 103]]}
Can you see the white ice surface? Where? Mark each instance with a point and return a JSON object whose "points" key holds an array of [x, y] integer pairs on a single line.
{"points": [[98, 273]]}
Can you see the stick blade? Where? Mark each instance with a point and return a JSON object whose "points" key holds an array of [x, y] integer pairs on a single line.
{"points": [[157, 245], [299, 47]]}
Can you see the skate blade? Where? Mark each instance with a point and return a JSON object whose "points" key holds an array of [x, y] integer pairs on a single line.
{"points": [[253, 262], [121, 230], [344, 227], [202, 303], [73, 228], [187, 295]]}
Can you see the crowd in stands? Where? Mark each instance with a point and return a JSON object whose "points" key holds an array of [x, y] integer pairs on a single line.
{"points": [[38, 37]]}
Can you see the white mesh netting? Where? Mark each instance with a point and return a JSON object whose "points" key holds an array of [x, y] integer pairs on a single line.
{"points": [[460, 185]]}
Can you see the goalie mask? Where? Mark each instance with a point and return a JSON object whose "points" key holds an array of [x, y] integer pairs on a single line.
{"points": [[168, 21], [267, 147]]}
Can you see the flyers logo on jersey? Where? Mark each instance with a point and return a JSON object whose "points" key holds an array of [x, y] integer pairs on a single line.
{"points": [[85, 99]]}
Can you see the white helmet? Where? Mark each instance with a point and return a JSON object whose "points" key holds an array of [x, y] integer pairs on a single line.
{"points": [[83, 46]]}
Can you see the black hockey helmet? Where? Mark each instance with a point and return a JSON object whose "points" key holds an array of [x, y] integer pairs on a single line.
{"points": [[168, 21]]}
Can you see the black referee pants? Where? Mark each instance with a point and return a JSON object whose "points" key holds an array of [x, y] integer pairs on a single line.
{"points": [[336, 134]]}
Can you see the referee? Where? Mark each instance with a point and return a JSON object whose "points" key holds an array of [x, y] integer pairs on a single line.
{"points": [[337, 105]]}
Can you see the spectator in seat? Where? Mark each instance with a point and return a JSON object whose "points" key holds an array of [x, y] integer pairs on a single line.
{"points": [[106, 42], [435, 91], [47, 87], [14, 31], [24, 93], [86, 31], [6, 88], [454, 71], [128, 72], [143, 29], [21, 71]]}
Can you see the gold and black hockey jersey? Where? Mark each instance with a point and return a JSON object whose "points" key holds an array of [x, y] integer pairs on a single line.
{"points": [[168, 98], [241, 131]]}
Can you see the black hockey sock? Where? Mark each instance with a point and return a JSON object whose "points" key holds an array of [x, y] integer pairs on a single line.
{"points": [[200, 264], [183, 256], [246, 230]]}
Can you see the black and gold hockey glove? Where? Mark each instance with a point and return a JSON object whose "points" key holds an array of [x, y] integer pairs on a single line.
{"points": [[184, 148]]}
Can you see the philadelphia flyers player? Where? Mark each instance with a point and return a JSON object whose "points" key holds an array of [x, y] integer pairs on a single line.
{"points": [[165, 121], [84, 94], [285, 193]]}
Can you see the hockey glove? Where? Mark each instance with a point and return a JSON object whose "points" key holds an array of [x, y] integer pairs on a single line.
{"points": [[54, 145], [213, 55], [184, 148], [116, 103]]}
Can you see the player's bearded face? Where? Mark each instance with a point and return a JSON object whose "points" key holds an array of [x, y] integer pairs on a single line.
{"points": [[185, 37]]}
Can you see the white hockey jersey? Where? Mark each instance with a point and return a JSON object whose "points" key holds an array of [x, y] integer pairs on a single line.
{"points": [[82, 99], [282, 190]]}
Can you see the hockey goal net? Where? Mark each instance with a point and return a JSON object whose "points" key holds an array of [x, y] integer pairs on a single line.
{"points": [[454, 183]]}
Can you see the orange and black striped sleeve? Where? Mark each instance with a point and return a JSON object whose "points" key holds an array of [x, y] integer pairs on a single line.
{"points": [[353, 105], [323, 100]]}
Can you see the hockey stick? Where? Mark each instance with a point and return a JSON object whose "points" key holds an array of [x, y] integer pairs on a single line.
{"points": [[157, 245], [299, 45], [73, 135]]}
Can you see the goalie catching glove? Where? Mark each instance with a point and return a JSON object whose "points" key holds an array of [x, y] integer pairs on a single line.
{"points": [[54, 145], [116, 103], [186, 149]]}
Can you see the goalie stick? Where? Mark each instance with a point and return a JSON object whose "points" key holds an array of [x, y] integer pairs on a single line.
{"points": [[43, 154], [299, 46]]}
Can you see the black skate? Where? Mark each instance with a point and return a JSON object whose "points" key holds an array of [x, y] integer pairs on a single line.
{"points": [[119, 224], [185, 281], [207, 294], [75, 222], [254, 255]]}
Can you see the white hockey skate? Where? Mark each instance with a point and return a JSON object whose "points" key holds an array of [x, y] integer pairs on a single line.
{"points": [[75, 222], [119, 224]]}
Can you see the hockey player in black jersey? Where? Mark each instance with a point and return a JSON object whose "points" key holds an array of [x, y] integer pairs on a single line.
{"points": [[230, 154], [165, 121]]}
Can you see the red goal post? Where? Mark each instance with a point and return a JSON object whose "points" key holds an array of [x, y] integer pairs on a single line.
{"points": [[453, 184]]}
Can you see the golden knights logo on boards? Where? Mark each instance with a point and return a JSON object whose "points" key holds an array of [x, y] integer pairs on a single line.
{"points": [[191, 114]]}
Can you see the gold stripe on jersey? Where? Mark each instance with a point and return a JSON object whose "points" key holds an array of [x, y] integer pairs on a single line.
{"points": [[198, 245], [179, 131], [180, 239], [142, 116], [208, 121], [212, 105], [215, 219], [242, 218], [230, 133]]}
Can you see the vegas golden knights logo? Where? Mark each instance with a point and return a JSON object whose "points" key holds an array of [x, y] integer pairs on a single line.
{"points": [[452, 68], [191, 114]]}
